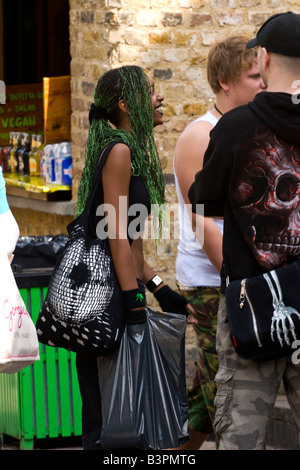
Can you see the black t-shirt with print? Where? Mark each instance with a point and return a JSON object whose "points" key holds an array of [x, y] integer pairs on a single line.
{"points": [[251, 177]]}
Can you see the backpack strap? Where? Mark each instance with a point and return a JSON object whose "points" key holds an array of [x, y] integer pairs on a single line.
{"points": [[83, 218], [97, 176]]}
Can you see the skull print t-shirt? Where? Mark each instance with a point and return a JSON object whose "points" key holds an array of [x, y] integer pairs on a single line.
{"points": [[251, 177]]}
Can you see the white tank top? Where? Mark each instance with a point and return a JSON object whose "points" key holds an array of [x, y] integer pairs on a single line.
{"points": [[193, 268]]}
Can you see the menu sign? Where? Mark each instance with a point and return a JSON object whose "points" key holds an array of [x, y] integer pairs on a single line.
{"points": [[23, 110]]}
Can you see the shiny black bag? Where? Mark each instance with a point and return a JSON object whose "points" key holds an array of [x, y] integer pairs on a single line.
{"points": [[264, 313], [142, 385], [83, 310]]}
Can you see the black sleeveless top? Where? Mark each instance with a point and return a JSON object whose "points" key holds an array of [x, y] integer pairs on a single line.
{"points": [[139, 207]]}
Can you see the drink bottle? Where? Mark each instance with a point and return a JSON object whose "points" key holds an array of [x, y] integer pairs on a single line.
{"points": [[49, 164], [63, 164], [24, 154], [14, 164], [41, 155], [6, 154]]}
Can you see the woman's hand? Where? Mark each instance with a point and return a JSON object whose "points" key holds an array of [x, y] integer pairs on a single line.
{"points": [[173, 302]]}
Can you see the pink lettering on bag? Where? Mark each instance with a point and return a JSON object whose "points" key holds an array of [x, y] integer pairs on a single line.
{"points": [[17, 311]]}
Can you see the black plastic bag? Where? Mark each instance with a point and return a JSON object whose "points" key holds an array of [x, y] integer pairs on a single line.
{"points": [[39, 251], [143, 388]]}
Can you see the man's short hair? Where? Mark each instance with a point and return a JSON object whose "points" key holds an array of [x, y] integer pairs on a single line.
{"points": [[227, 60]]}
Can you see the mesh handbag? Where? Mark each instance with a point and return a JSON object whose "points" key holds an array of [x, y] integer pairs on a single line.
{"points": [[83, 310]]}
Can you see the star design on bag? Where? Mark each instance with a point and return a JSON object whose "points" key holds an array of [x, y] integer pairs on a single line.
{"points": [[79, 275]]}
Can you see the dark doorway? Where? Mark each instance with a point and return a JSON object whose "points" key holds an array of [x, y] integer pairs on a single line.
{"points": [[35, 40]]}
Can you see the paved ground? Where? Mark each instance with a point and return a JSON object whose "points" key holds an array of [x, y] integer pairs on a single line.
{"points": [[208, 445], [70, 444], [281, 435], [14, 446]]}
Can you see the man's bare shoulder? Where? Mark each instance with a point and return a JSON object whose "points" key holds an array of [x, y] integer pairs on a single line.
{"points": [[194, 135], [196, 128]]}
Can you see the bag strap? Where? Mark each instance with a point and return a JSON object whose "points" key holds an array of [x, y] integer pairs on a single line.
{"points": [[97, 176], [84, 216]]}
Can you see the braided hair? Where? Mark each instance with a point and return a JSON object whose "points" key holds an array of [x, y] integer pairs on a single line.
{"points": [[128, 83]]}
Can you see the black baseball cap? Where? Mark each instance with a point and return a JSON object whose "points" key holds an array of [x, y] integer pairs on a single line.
{"points": [[279, 34]]}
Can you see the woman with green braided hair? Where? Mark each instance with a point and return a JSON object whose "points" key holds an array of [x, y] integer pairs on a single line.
{"points": [[117, 92], [125, 110]]}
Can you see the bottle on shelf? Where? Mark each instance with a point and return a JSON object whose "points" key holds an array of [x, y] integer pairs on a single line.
{"points": [[24, 154], [49, 163], [63, 164], [19, 153], [14, 164], [6, 154], [41, 155], [34, 161]]}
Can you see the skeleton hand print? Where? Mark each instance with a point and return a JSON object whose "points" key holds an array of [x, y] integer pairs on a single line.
{"points": [[281, 324], [265, 198]]}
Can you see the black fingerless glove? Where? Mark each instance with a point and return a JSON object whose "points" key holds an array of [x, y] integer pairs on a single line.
{"points": [[170, 301], [134, 317], [134, 298]]}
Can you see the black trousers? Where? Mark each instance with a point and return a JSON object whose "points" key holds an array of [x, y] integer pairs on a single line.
{"points": [[91, 401]]}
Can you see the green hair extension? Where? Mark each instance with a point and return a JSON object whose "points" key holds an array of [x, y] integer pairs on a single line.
{"points": [[128, 83]]}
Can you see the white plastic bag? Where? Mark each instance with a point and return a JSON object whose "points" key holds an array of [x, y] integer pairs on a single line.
{"points": [[19, 345]]}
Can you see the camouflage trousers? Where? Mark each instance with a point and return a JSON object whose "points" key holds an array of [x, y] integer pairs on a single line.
{"points": [[201, 394], [246, 392]]}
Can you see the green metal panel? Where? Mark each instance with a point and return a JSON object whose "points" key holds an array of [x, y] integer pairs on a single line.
{"points": [[51, 395], [43, 400], [76, 395], [9, 405], [64, 388]]}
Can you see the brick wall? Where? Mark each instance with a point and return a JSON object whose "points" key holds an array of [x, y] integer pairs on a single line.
{"points": [[33, 222]]}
